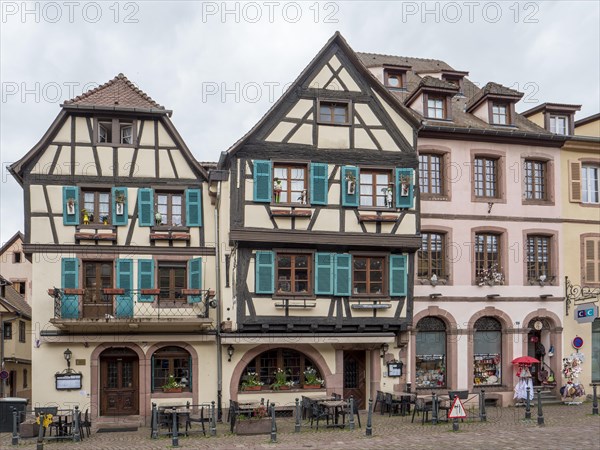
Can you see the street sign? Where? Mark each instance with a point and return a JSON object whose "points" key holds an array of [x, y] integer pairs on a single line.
{"points": [[458, 410], [4, 375]]}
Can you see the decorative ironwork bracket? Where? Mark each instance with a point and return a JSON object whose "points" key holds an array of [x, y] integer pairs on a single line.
{"points": [[579, 294]]}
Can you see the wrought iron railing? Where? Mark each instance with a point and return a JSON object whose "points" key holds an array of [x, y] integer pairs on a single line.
{"points": [[577, 294], [114, 304]]}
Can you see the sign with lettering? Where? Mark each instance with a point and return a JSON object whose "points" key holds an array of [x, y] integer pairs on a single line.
{"points": [[395, 369], [68, 381], [586, 312]]}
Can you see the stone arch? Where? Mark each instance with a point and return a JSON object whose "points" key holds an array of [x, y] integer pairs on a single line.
{"points": [[252, 353], [504, 318]]}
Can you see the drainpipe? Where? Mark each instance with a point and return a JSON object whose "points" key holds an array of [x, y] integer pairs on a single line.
{"points": [[219, 306]]}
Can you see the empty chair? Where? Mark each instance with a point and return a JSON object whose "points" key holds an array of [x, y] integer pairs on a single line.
{"points": [[392, 406], [379, 400], [422, 406], [196, 415], [318, 413], [86, 424]]}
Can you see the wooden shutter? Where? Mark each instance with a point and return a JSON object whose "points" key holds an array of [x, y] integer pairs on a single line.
{"points": [[265, 272], [193, 207], [262, 181], [343, 275], [575, 181], [119, 219], [407, 200], [145, 278], [195, 278], [398, 275], [324, 273], [124, 303], [348, 175], [319, 185], [591, 252], [69, 307], [70, 193], [146, 207]]}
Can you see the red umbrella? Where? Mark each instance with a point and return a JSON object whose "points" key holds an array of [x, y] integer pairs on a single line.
{"points": [[525, 360]]}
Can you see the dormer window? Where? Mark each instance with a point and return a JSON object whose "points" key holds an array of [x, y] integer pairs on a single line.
{"points": [[559, 125], [334, 113], [436, 107], [500, 114], [395, 79], [115, 131]]}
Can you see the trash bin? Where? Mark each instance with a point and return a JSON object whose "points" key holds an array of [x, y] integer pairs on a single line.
{"points": [[6, 412]]}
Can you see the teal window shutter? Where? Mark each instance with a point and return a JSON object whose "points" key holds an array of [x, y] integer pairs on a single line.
{"points": [[350, 185], [324, 273], [265, 272], [124, 302], [343, 275], [70, 205], [398, 275], [405, 179], [146, 278], [195, 278], [319, 183], [263, 185], [120, 213], [193, 207], [146, 207], [69, 307]]}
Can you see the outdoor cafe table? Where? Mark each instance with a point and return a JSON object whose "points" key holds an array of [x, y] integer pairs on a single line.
{"points": [[441, 402], [182, 416], [336, 407]]}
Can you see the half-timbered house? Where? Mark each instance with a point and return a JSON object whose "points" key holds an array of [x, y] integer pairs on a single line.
{"points": [[323, 223], [123, 259]]}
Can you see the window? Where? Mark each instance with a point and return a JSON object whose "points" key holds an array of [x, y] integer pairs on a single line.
{"points": [[96, 207], [591, 259], [126, 133], [96, 277], [500, 114], [376, 189], [538, 258], [171, 281], [294, 274], [368, 275], [19, 286], [289, 184], [395, 79], [174, 361], [430, 174], [169, 208], [25, 381], [487, 259], [105, 131], [487, 352], [559, 125], [291, 361], [589, 181], [486, 177], [17, 257], [436, 107], [22, 333], [596, 351], [334, 113], [430, 366], [535, 180], [431, 256], [7, 330]]}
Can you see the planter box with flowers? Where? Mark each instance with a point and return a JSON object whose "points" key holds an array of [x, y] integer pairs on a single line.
{"points": [[491, 276], [281, 381], [259, 422], [172, 386], [311, 379], [252, 382]]}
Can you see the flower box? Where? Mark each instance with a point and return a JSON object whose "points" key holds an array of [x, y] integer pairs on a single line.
{"points": [[150, 291], [173, 390], [311, 386], [73, 291], [253, 426], [113, 291], [252, 388], [190, 291]]}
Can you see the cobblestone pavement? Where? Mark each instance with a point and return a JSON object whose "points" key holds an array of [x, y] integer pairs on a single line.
{"points": [[566, 427]]}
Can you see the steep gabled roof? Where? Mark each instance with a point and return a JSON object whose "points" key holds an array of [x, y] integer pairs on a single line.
{"points": [[119, 92], [493, 89], [15, 302], [552, 107], [11, 241]]}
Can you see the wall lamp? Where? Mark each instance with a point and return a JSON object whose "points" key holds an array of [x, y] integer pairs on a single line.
{"points": [[68, 354], [383, 350], [492, 295], [435, 295], [230, 351]]}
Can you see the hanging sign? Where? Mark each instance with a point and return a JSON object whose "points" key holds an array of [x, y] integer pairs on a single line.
{"points": [[458, 410], [586, 313]]}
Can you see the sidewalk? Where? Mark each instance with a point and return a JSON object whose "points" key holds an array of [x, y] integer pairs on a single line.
{"points": [[566, 427]]}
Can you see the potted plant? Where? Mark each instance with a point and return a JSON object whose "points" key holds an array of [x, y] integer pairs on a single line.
{"points": [[258, 422], [104, 220], [252, 382], [311, 380], [491, 276], [281, 383], [85, 216], [120, 201], [70, 205], [350, 183], [158, 218], [277, 188], [172, 385]]}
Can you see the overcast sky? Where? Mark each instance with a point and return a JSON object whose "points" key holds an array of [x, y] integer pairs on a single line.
{"points": [[219, 66]]}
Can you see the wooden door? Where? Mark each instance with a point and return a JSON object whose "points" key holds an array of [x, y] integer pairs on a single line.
{"points": [[119, 385], [97, 276], [355, 377]]}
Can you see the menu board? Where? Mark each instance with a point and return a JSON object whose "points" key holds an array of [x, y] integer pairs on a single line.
{"points": [[68, 381]]}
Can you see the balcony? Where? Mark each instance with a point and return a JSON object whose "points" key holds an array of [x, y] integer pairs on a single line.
{"points": [[112, 310]]}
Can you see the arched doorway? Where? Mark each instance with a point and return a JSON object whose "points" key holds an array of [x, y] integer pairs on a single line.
{"points": [[430, 355], [538, 342], [119, 382]]}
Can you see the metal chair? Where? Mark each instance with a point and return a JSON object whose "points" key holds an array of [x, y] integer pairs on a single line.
{"points": [[196, 415], [379, 399], [422, 406]]}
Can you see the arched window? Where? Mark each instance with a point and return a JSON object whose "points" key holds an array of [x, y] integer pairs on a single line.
{"points": [[487, 352], [430, 363], [174, 361], [292, 362]]}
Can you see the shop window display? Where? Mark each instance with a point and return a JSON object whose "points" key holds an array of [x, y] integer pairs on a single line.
{"points": [[430, 364], [487, 352]]}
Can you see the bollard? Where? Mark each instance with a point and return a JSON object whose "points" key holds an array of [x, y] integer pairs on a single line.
{"points": [[213, 420], [351, 423], [482, 414], [298, 413], [154, 422], [369, 428], [540, 412], [454, 424], [528, 405], [76, 431], [175, 434], [273, 424], [15, 435], [434, 409], [594, 401], [40, 439], [408, 387]]}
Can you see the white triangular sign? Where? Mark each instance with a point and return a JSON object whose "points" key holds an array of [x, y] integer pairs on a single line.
{"points": [[457, 411]]}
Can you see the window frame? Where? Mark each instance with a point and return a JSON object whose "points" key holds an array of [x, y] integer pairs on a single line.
{"points": [[384, 278], [443, 256], [532, 275], [555, 117], [585, 186], [332, 103], [506, 115], [113, 138], [444, 109], [310, 274], [548, 180], [166, 221], [7, 331], [399, 75], [17, 257], [484, 175], [171, 266], [171, 356], [98, 290], [22, 331], [442, 172], [486, 262], [97, 221], [439, 332], [500, 364], [289, 166], [595, 237], [374, 171]]}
